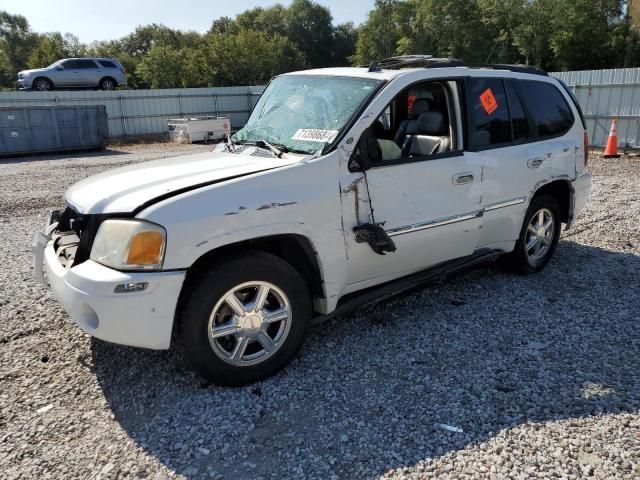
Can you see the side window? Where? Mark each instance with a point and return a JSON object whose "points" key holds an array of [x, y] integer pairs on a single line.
{"points": [[416, 124], [546, 105], [107, 64], [69, 64], [490, 123], [519, 120], [86, 64]]}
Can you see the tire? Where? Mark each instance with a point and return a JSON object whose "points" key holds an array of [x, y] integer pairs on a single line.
{"points": [[239, 353], [534, 258], [108, 83], [42, 84]]}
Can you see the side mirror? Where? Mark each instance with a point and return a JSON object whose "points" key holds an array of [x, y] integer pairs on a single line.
{"points": [[366, 153]]}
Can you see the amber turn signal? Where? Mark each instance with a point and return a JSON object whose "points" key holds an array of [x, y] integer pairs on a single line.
{"points": [[146, 248]]}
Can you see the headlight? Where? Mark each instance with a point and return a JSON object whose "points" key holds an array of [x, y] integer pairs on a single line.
{"points": [[129, 245]]}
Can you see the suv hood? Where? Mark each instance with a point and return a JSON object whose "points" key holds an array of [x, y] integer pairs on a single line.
{"points": [[33, 70], [123, 190]]}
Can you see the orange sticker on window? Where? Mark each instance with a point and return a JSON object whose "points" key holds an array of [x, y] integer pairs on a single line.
{"points": [[411, 99], [488, 101]]}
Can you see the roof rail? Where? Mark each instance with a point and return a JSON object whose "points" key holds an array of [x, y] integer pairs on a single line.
{"points": [[517, 68], [404, 61], [428, 61]]}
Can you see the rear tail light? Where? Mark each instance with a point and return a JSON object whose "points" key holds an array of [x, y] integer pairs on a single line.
{"points": [[586, 148]]}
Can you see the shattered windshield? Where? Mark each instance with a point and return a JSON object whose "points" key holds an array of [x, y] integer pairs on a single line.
{"points": [[304, 113]]}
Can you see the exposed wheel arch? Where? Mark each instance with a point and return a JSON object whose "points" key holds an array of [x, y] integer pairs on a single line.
{"points": [[562, 191], [295, 249]]}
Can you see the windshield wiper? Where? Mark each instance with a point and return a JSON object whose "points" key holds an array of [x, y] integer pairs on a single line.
{"points": [[276, 148], [230, 144], [272, 148]]}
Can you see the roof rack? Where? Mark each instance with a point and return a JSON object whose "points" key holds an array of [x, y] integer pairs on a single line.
{"points": [[428, 61]]}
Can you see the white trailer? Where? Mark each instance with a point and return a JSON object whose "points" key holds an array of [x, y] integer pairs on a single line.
{"points": [[198, 129]]}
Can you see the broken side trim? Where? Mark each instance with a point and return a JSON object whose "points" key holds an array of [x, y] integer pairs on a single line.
{"points": [[508, 203]]}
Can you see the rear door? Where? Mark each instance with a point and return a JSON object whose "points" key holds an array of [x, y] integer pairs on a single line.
{"points": [[88, 73], [516, 138]]}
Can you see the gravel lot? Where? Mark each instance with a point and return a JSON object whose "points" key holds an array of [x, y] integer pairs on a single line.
{"points": [[539, 375]]}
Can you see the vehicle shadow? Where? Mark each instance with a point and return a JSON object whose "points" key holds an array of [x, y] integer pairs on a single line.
{"points": [[42, 157], [483, 352]]}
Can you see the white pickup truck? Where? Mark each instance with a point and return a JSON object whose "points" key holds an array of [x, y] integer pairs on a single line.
{"points": [[346, 185]]}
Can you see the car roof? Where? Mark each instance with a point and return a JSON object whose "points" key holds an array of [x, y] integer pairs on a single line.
{"points": [[90, 58]]}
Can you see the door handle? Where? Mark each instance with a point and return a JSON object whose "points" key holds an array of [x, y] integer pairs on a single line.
{"points": [[535, 162], [462, 178]]}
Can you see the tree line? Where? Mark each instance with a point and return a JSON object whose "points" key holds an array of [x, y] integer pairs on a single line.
{"points": [[262, 42]]}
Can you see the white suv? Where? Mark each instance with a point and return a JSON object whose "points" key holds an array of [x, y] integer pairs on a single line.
{"points": [[346, 185]]}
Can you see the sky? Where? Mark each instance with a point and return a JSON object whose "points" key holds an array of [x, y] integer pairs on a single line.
{"points": [[107, 20]]}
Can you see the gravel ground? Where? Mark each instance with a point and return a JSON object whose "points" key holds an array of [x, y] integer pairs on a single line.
{"points": [[539, 376]]}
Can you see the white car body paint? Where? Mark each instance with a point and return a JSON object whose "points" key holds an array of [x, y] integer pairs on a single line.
{"points": [[244, 196]]}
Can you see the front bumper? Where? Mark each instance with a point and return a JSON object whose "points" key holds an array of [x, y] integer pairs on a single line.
{"points": [[86, 291], [24, 84]]}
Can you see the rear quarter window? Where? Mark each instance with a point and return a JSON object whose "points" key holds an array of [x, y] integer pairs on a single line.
{"points": [[107, 64], [547, 108]]}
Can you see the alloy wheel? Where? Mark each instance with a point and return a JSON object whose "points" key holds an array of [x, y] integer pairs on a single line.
{"points": [[249, 323], [108, 85], [539, 235], [42, 86]]}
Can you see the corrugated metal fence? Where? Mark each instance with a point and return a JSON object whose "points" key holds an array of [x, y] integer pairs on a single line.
{"points": [[604, 95], [140, 112]]}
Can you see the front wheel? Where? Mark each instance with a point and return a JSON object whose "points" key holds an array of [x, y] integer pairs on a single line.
{"points": [[539, 236], [245, 319], [42, 85]]}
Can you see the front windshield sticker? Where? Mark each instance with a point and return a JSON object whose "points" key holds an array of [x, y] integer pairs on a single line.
{"points": [[315, 135]]}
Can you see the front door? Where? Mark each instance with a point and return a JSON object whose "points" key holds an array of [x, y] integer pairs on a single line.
{"points": [[68, 76], [422, 192]]}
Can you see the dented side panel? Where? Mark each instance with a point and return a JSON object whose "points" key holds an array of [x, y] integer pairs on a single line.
{"points": [[299, 199]]}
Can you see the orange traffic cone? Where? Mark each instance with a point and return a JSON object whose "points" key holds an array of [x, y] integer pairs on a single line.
{"points": [[612, 143]]}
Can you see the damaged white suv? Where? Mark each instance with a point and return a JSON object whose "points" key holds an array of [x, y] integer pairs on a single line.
{"points": [[346, 185]]}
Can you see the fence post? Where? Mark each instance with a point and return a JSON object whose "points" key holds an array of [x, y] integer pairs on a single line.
{"points": [[124, 119]]}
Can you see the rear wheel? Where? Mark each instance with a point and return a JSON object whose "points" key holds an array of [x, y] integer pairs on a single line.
{"points": [[108, 83], [42, 84], [246, 319], [539, 236]]}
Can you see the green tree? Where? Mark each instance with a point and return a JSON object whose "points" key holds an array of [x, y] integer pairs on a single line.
{"points": [[272, 20], [162, 67], [54, 46], [140, 42], [379, 36], [582, 34], [344, 44], [250, 57], [532, 36], [223, 25], [309, 27], [16, 42]]}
